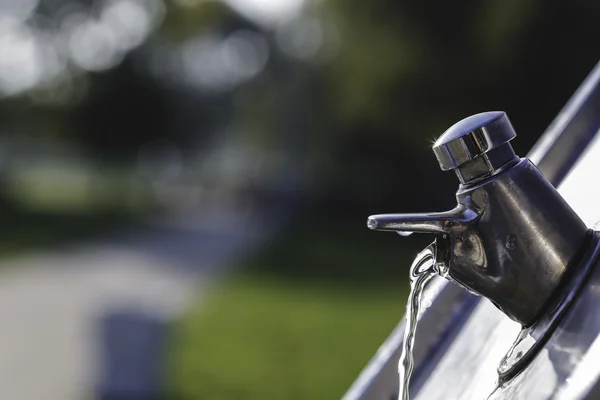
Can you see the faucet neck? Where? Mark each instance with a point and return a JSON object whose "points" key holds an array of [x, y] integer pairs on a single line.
{"points": [[480, 168]]}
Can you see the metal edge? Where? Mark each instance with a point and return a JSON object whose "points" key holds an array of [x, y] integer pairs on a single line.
{"points": [[570, 132]]}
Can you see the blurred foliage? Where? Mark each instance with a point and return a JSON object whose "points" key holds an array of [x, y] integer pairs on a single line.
{"points": [[408, 70], [360, 120], [181, 22]]}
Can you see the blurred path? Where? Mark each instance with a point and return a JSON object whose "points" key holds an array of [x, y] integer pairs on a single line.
{"points": [[50, 303]]}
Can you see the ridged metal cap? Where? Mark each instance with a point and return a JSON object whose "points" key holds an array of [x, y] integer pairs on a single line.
{"points": [[472, 137]]}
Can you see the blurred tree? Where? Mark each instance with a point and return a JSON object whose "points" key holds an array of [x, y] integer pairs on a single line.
{"points": [[404, 72], [408, 70], [122, 111]]}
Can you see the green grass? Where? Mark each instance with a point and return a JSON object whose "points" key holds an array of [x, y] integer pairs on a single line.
{"points": [[299, 322]]}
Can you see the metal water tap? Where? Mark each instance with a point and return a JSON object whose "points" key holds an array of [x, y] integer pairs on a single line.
{"points": [[512, 237]]}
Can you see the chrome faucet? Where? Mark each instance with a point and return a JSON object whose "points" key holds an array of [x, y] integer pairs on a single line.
{"points": [[512, 237]]}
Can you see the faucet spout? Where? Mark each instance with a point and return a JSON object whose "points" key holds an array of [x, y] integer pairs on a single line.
{"points": [[439, 223]]}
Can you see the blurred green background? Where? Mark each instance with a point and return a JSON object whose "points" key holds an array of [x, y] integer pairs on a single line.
{"points": [[289, 121]]}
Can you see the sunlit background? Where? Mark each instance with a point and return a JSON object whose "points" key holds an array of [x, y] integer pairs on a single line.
{"points": [[185, 183]]}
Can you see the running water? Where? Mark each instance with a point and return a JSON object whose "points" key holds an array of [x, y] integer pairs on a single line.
{"points": [[421, 272]]}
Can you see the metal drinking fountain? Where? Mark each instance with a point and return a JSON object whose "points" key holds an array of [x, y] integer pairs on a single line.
{"points": [[511, 238]]}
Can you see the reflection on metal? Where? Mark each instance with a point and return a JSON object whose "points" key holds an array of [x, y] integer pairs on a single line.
{"points": [[562, 356], [577, 190], [532, 338], [477, 146], [451, 330], [570, 132], [511, 236]]}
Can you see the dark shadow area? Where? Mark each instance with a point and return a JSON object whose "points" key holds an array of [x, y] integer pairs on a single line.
{"points": [[340, 252], [23, 231]]}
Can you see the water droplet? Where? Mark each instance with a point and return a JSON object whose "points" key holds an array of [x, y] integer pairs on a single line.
{"points": [[511, 242], [371, 223]]}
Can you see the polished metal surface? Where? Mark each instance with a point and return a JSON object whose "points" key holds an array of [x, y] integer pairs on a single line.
{"points": [[532, 338], [511, 236], [476, 147], [456, 318], [565, 367], [570, 132]]}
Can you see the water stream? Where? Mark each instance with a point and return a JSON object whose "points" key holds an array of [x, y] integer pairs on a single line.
{"points": [[421, 272]]}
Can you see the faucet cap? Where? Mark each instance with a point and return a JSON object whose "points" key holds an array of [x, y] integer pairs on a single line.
{"points": [[472, 137]]}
